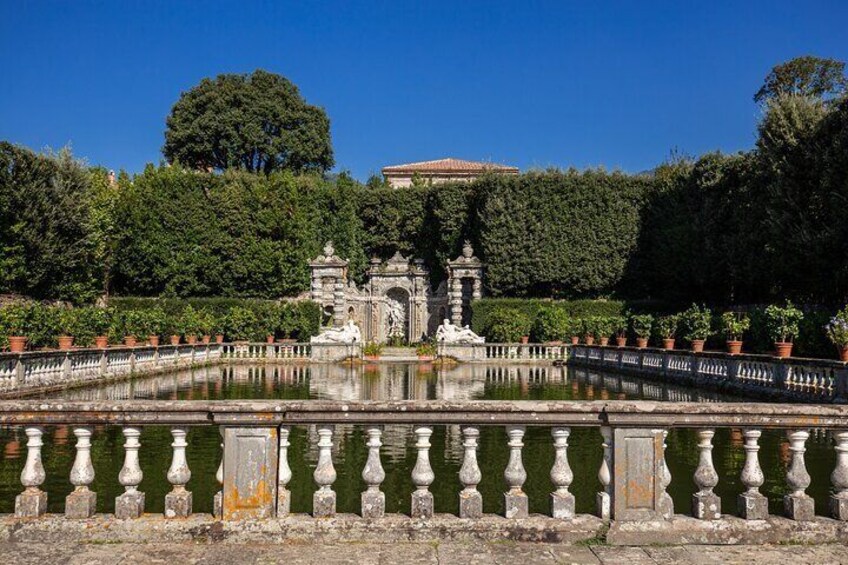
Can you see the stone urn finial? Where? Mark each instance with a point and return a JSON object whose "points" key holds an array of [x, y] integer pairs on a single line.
{"points": [[467, 250], [329, 250]]}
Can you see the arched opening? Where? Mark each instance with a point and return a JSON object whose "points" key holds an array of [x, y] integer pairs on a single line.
{"points": [[396, 316]]}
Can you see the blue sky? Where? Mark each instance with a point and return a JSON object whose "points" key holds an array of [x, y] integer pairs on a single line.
{"points": [[532, 84]]}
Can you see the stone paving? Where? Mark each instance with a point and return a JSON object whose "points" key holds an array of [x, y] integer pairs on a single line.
{"points": [[442, 553]]}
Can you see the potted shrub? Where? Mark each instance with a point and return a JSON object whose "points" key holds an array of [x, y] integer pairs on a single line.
{"points": [[426, 351], [94, 323], [619, 325], [16, 325], [205, 324], [697, 325], [218, 328], [507, 325], [667, 330], [783, 323], [734, 325], [155, 321], [837, 331], [241, 324], [372, 350], [190, 324], [642, 324], [590, 326], [129, 324], [574, 328], [550, 326], [66, 327], [603, 329]]}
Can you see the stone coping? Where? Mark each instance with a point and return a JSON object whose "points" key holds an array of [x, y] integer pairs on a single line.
{"points": [[396, 528]]}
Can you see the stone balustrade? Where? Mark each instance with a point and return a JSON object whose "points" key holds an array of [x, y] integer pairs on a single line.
{"points": [[504, 352], [47, 370], [266, 351], [633, 477], [815, 380]]}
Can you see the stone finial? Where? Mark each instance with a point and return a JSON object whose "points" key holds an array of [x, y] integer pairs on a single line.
{"points": [[515, 501], [324, 499], [706, 505], [467, 250], [752, 504], [797, 503], [422, 475], [284, 474], [178, 501], [373, 500], [470, 499], [839, 477], [604, 498], [82, 502], [131, 503], [329, 250], [562, 501], [32, 502]]}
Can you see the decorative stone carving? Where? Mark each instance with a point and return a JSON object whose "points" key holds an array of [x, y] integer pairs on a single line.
{"points": [[82, 502], [470, 499], [706, 505], [515, 500], [178, 501], [752, 504], [562, 501], [324, 499], [131, 503], [422, 475], [797, 503], [348, 333], [373, 500], [449, 333], [32, 502], [604, 498]]}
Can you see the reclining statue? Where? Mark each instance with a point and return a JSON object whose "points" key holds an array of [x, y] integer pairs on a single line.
{"points": [[348, 333], [449, 333]]}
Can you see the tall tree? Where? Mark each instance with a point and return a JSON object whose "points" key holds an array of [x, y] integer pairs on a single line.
{"points": [[809, 76], [257, 122]]}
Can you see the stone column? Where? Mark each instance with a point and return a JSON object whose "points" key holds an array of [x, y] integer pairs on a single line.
{"points": [[82, 502], [339, 302], [515, 500], [324, 499], [470, 499], [373, 500], [178, 501], [32, 502], [798, 504], [839, 477], [706, 505], [477, 289], [284, 475], [422, 475], [131, 503], [603, 499], [562, 501], [752, 504], [218, 499], [455, 300]]}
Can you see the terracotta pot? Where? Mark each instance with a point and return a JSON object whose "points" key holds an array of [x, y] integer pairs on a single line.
{"points": [[269, 339], [698, 345], [783, 349], [621, 341], [101, 341], [372, 357], [604, 341], [641, 342], [175, 340], [668, 343], [130, 341], [425, 357], [206, 339], [554, 342], [191, 339], [734, 347], [843, 354], [525, 339], [589, 340], [17, 343], [153, 340], [219, 338], [65, 342], [575, 340]]}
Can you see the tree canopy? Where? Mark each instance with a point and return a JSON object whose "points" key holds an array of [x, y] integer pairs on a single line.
{"points": [[257, 122], [808, 76]]}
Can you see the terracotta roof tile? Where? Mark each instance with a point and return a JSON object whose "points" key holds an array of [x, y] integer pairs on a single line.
{"points": [[448, 165]]}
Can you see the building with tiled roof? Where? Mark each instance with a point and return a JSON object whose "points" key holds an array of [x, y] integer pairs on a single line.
{"points": [[441, 170]]}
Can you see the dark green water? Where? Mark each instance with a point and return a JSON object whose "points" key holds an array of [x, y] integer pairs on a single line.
{"points": [[401, 382]]}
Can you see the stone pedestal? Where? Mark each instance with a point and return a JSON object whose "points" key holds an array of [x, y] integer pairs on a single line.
{"points": [[283, 502], [31, 503], [801, 508], [470, 504], [373, 505], [706, 506], [324, 504], [603, 505], [422, 504], [81, 504], [129, 505], [178, 504], [516, 505], [218, 505], [752, 506], [562, 506], [839, 507]]}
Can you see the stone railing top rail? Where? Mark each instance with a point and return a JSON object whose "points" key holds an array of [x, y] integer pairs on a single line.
{"points": [[722, 355], [479, 412], [110, 349]]}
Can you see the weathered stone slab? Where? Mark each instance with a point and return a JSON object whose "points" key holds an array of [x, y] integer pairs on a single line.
{"points": [[80, 504], [516, 505], [799, 507], [250, 465], [129, 505], [752, 506], [470, 504], [637, 467], [178, 504], [706, 506], [31, 504], [562, 506], [324, 504], [373, 505]]}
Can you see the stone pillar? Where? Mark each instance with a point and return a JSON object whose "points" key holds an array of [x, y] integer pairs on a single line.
{"points": [[638, 471], [131, 503], [603, 499], [218, 499], [562, 501], [32, 502], [470, 499], [515, 500], [82, 502], [339, 303], [324, 499], [422, 475], [752, 504], [706, 505], [477, 289], [839, 477], [797, 503], [666, 503], [178, 501], [250, 468], [455, 300], [373, 500], [284, 475]]}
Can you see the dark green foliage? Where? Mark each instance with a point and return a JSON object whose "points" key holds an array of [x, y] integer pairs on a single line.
{"points": [[507, 325], [810, 76], [482, 309], [257, 122]]}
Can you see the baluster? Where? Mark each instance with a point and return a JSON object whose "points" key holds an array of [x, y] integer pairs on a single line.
{"points": [[131, 503], [284, 474], [839, 477], [706, 505], [470, 499], [32, 502], [752, 504], [422, 475], [324, 499], [604, 499], [666, 503], [373, 500], [562, 501], [218, 499], [515, 500], [178, 501], [797, 503], [82, 502]]}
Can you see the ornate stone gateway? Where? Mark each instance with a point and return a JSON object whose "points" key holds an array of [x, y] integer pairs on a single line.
{"points": [[397, 302]]}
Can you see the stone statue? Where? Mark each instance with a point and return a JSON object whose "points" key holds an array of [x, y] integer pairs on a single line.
{"points": [[449, 333], [348, 333]]}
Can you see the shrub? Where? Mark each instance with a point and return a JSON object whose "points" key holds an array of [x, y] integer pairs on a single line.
{"points": [[155, 321], [667, 326], [205, 321], [641, 325], [604, 326], [783, 322], [16, 319], [129, 323], [696, 323], [551, 324], [372, 349], [507, 325], [91, 322], [734, 325], [425, 349], [190, 321], [837, 328], [241, 324], [619, 325]]}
